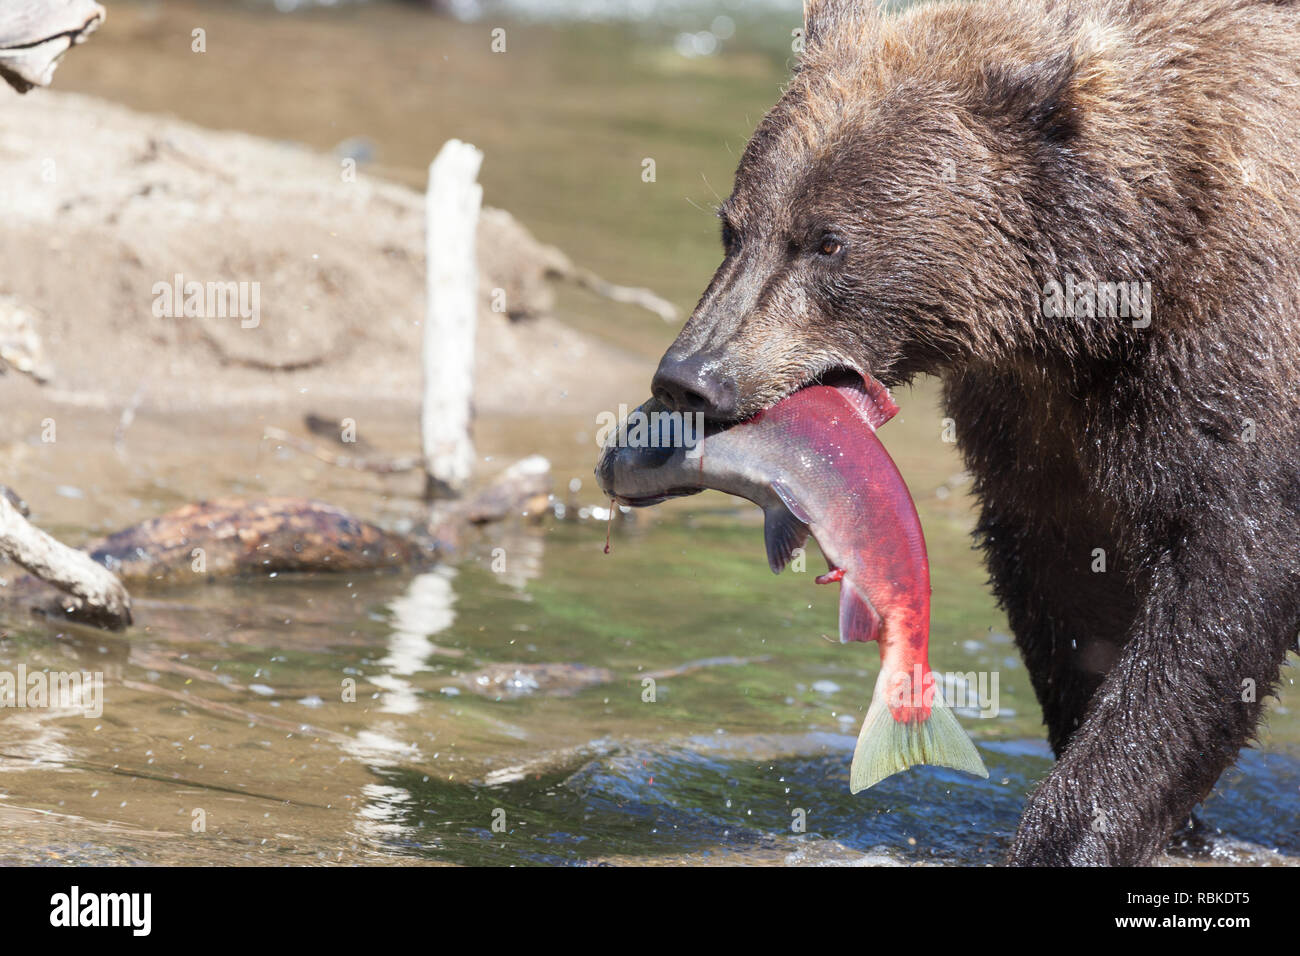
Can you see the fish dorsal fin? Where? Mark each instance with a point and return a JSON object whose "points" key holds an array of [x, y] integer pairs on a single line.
{"points": [[859, 621], [783, 533]]}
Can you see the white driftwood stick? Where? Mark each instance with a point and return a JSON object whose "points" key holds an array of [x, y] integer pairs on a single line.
{"points": [[451, 212], [34, 35], [102, 597]]}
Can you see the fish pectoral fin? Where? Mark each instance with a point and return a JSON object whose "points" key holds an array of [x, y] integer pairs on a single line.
{"points": [[782, 533], [859, 620], [886, 746], [791, 502]]}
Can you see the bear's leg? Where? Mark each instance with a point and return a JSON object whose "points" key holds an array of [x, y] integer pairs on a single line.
{"points": [[1171, 715], [1069, 602]]}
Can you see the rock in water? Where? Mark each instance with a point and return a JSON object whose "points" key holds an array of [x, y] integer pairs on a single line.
{"points": [[234, 536]]}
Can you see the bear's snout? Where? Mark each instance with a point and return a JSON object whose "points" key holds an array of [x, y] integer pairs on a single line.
{"points": [[697, 384]]}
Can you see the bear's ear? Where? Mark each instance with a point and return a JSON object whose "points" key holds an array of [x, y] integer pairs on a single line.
{"points": [[825, 19], [1039, 96]]}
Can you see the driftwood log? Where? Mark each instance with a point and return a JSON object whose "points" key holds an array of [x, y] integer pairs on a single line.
{"points": [[34, 35], [233, 537], [451, 223], [93, 594]]}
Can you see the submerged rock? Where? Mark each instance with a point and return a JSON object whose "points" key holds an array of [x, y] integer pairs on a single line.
{"points": [[234, 536]]}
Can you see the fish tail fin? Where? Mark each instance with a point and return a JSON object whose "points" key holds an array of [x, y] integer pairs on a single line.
{"points": [[886, 745]]}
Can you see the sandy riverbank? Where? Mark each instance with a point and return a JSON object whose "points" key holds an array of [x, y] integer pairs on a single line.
{"points": [[102, 204]]}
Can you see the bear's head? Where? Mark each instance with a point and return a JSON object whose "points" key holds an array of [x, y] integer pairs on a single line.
{"points": [[900, 208]]}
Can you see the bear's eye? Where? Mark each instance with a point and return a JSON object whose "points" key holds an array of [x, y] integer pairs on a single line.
{"points": [[830, 246]]}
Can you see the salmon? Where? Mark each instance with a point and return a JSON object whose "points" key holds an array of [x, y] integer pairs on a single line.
{"points": [[813, 464]]}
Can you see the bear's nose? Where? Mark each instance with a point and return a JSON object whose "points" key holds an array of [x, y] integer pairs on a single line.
{"points": [[695, 383]]}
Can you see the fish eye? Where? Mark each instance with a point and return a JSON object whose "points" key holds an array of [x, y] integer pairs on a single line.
{"points": [[830, 246]]}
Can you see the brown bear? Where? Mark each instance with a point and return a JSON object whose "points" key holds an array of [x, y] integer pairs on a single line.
{"points": [[1084, 216]]}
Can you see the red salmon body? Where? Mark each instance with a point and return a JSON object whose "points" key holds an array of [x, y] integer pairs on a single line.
{"points": [[813, 463], [860, 501]]}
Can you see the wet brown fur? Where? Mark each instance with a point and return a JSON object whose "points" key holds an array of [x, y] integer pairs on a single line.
{"points": [[963, 155]]}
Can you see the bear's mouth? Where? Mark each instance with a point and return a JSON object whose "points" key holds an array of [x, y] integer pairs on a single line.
{"points": [[852, 382], [849, 381], [838, 376], [861, 392]]}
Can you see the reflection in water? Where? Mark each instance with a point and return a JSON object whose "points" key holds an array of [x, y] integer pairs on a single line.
{"points": [[424, 610], [36, 734], [378, 747], [516, 556], [33, 741], [382, 818], [382, 809]]}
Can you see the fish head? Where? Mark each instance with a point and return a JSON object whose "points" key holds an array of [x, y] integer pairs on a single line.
{"points": [[646, 459], [656, 452]]}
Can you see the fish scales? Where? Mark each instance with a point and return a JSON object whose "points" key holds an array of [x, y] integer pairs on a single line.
{"points": [[813, 463]]}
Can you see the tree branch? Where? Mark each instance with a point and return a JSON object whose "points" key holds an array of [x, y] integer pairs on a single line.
{"points": [[96, 595], [34, 35]]}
